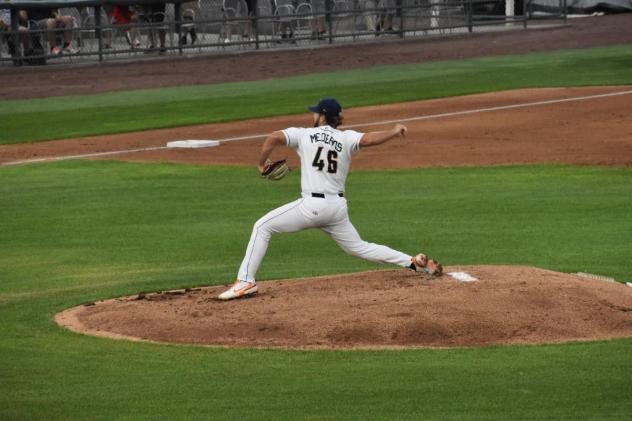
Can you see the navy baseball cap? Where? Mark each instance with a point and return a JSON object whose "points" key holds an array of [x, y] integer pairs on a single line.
{"points": [[327, 106]]}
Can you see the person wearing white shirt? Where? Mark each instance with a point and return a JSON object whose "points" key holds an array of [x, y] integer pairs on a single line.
{"points": [[325, 153]]}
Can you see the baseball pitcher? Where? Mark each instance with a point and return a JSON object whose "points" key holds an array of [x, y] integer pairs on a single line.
{"points": [[325, 154]]}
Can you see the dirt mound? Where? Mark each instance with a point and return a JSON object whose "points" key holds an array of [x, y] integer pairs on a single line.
{"points": [[378, 309]]}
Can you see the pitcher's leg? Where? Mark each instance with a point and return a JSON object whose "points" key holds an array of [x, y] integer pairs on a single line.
{"points": [[347, 237], [287, 218]]}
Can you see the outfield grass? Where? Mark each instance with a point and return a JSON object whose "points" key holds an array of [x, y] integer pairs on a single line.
{"points": [[77, 231], [69, 117]]}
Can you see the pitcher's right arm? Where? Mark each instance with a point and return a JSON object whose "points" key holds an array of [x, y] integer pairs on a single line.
{"points": [[377, 138]]}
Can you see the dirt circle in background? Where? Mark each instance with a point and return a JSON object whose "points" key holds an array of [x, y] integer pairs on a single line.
{"points": [[377, 309]]}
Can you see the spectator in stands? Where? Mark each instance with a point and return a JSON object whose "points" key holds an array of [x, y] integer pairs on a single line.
{"points": [[226, 31], [188, 25], [49, 19], [232, 10], [125, 15], [284, 10], [318, 23], [386, 17], [5, 26], [107, 34], [155, 13], [5, 19], [370, 16], [248, 32]]}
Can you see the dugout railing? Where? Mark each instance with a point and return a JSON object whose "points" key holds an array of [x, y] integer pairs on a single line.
{"points": [[205, 26]]}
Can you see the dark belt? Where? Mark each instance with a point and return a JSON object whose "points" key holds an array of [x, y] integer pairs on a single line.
{"points": [[322, 196]]}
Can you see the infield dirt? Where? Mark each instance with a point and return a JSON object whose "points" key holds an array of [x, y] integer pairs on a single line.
{"points": [[378, 309], [595, 131]]}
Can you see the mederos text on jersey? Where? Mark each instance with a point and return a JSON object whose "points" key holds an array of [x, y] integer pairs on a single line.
{"points": [[327, 139]]}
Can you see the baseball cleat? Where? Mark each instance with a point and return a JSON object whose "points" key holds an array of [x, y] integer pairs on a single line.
{"points": [[239, 289], [421, 263]]}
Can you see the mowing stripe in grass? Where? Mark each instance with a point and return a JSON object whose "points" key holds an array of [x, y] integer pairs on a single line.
{"points": [[69, 117]]}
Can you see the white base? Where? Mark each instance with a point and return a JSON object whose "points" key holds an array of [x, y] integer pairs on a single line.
{"points": [[193, 143], [597, 277], [462, 276]]}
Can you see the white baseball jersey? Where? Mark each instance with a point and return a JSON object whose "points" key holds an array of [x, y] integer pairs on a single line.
{"points": [[325, 155], [325, 160]]}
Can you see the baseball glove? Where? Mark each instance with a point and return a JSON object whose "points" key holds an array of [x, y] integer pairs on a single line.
{"points": [[275, 170]]}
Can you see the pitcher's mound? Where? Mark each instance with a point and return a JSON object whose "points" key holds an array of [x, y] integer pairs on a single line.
{"points": [[378, 309]]}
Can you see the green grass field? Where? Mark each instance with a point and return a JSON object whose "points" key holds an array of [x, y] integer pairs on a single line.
{"points": [[76, 231]]}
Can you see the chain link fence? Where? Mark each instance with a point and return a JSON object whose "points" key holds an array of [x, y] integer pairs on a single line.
{"points": [[105, 31]]}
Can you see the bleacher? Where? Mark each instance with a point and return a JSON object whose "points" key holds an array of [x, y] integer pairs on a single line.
{"points": [[215, 26]]}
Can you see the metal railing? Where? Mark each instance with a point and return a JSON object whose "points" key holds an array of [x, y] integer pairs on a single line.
{"points": [[206, 26]]}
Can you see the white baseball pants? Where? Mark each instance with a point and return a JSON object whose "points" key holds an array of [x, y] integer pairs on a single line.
{"points": [[330, 215]]}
